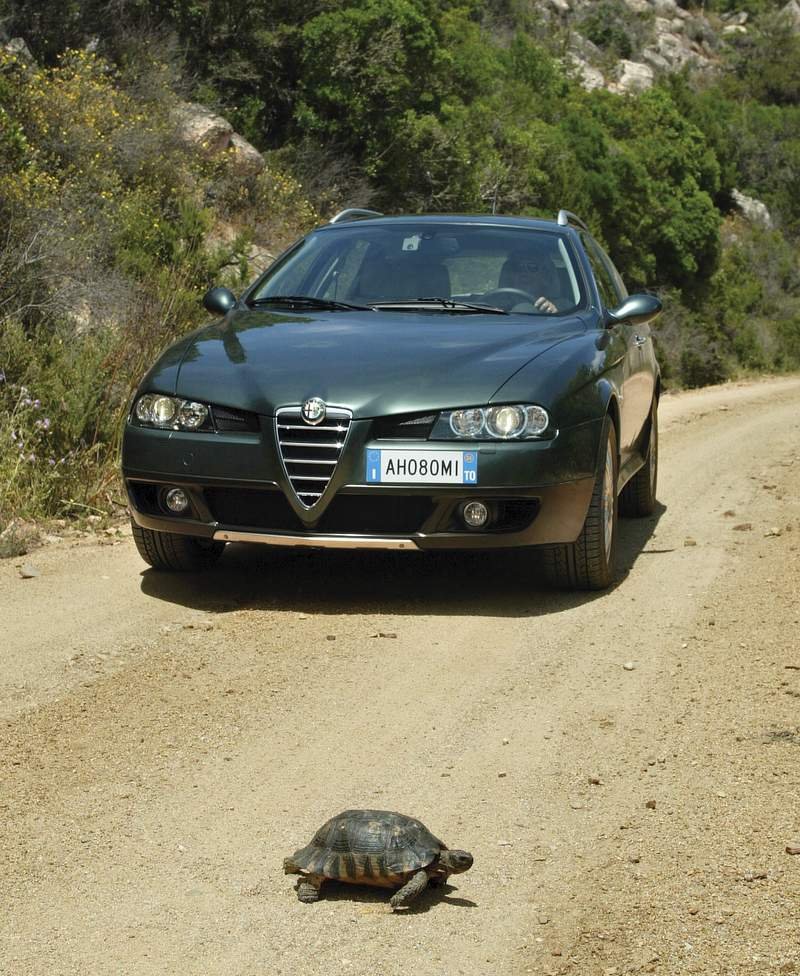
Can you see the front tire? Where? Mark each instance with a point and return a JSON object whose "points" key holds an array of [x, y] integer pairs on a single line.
{"points": [[588, 563], [176, 553]]}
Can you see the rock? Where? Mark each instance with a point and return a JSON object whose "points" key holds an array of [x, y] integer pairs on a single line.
{"points": [[28, 572], [752, 210], [634, 858], [542, 919], [731, 29], [560, 6], [17, 48], [690, 542], [595, 781], [632, 76], [330, 637], [505, 742], [666, 8], [388, 635], [791, 14], [743, 527], [772, 532], [650, 804], [638, 6], [589, 78], [502, 774], [656, 61], [754, 875], [629, 666], [243, 158], [577, 805], [793, 848], [197, 127]]}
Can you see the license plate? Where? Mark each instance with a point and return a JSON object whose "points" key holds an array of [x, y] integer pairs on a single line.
{"points": [[422, 467]]}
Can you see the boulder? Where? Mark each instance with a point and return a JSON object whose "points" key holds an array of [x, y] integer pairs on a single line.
{"points": [[199, 128], [243, 158], [753, 211], [17, 48], [791, 14], [639, 6], [632, 76], [589, 77]]}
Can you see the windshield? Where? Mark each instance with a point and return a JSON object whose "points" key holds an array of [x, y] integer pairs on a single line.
{"points": [[521, 270]]}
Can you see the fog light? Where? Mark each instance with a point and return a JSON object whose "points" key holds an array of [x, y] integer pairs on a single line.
{"points": [[475, 514], [176, 500]]}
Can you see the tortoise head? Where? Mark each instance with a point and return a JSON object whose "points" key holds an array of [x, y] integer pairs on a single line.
{"points": [[455, 862]]}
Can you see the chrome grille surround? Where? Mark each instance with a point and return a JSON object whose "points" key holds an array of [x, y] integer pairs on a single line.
{"points": [[310, 452]]}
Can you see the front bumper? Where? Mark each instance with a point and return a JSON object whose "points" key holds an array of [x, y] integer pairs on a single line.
{"points": [[539, 490]]}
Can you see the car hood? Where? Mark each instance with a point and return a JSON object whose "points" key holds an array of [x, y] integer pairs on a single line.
{"points": [[374, 363]]}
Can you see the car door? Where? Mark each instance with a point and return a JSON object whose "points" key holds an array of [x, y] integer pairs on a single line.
{"points": [[632, 380]]}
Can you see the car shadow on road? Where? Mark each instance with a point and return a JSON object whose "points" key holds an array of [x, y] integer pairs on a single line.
{"points": [[501, 583]]}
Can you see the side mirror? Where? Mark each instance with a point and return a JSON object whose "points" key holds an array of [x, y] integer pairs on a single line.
{"points": [[636, 309], [219, 301]]}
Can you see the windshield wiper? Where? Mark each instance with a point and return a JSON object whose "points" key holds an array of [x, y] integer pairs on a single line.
{"points": [[308, 301], [447, 304]]}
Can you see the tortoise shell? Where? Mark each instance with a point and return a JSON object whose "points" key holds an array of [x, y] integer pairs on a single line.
{"points": [[376, 847]]}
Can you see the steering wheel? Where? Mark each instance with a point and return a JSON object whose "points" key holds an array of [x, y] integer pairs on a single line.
{"points": [[507, 297]]}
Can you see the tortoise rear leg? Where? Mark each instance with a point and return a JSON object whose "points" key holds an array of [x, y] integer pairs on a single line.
{"points": [[410, 890], [308, 887]]}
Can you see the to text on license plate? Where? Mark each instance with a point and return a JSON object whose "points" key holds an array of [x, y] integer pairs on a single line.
{"points": [[422, 467]]}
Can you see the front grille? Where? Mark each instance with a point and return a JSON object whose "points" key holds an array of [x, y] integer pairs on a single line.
{"points": [[309, 452], [268, 509]]}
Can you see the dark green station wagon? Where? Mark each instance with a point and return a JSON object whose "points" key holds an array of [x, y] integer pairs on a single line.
{"points": [[429, 382]]}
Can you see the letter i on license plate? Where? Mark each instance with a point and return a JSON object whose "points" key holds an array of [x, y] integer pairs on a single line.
{"points": [[422, 467]]}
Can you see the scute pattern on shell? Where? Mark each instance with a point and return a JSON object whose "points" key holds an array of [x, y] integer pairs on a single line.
{"points": [[375, 846]]}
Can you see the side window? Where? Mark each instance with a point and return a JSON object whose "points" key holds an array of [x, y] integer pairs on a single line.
{"points": [[609, 284]]}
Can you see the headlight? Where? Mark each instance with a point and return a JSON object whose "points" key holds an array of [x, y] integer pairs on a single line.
{"points": [[505, 422], [171, 413], [516, 421], [467, 423]]}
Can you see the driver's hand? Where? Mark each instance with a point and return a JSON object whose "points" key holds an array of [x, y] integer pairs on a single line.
{"points": [[544, 305]]}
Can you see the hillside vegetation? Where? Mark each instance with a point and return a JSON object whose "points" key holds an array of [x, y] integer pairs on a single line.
{"points": [[113, 227]]}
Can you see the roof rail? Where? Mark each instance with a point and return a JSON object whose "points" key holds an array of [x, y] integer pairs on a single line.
{"points": [[566, 217], [353, 213]]}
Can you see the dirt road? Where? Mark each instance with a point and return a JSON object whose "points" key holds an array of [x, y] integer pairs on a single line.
{"points": [[165, 742]]}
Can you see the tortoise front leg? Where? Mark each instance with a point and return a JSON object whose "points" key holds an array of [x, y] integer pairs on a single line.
{"points": [[308, 887], [410, 890]]}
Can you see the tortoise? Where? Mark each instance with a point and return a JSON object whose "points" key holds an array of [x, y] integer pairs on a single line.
{"points": [[374, 847]]}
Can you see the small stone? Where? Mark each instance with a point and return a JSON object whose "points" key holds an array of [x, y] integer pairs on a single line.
{"points": [[505, 742], [556, 952], [388, 636], [754, 875], [502, 775], [772, 532], [694, 909], [629, 666], [730, 513], [28, 572], [793, 848], [302, 616], [595, 781], [577, 805], [650, 804], [505, 843], [743, 527], [330, 637], [634, 858], [542, 919], [689, 541]]}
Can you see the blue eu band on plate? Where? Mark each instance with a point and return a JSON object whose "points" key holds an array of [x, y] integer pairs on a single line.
{"points": [[422, 467]]}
